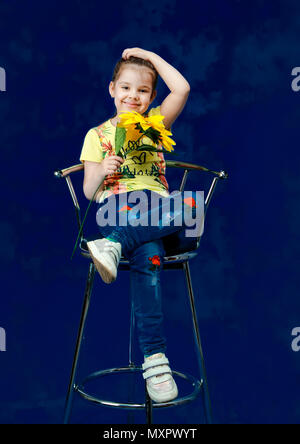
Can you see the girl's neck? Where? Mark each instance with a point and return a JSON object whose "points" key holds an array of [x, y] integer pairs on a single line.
{"points": [[115, 120]]}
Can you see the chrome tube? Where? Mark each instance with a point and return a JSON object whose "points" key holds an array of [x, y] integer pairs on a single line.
{"points": [[210, 192], [206, 203], [207, 403], [148, 404], [86, 303], [75, 201], [131, 334], [131, 385], [81, 390], [183, 181]]}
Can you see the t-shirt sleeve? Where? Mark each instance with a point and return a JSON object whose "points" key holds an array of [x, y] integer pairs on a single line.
{"points": [[154, 111], [91, 149]]}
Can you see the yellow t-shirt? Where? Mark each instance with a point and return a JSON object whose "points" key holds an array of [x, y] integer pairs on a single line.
{"points": [[141, 169]]}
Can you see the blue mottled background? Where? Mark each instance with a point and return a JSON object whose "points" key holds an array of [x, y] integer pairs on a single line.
{"points": [[242, 116]]}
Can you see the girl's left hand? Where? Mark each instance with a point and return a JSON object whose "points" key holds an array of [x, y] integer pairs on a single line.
{"points": [[136, 52]]}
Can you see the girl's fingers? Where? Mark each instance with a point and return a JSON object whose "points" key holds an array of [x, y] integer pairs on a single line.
{"points": [[118, 158], [131, 51], [113, 161]]}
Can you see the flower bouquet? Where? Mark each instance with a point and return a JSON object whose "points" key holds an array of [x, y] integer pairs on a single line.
{"points": [[134, 127]]}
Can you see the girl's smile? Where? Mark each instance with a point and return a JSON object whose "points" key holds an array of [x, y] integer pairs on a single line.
{"points": [[132, 105]]}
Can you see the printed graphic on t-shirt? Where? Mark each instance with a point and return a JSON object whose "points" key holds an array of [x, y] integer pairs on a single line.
{"points": [[142, 168], [137, 163]]}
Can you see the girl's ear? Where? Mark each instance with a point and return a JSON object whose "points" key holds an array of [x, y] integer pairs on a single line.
{"points": [[154, 93], [111, 89]]}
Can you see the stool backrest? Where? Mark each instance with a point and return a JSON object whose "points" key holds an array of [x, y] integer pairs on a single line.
{"points": [[187, 167]]}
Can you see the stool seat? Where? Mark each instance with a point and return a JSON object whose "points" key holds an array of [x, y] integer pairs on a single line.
{"points": [[169, 262]]}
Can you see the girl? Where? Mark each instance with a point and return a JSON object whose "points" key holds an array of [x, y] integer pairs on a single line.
{"points": [[133, 88]]}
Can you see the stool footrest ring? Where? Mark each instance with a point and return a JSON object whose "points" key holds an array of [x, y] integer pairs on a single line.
{"points": [[197, 384]]}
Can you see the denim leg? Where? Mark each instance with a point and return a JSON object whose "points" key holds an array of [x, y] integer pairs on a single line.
{"points": [[144, 248], [145, 266]]}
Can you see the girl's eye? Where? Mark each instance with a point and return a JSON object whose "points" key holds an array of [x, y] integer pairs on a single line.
{"points": [[141, 90]]}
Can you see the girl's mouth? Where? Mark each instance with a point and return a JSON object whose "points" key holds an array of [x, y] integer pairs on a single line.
{"points": [[132, 105]]}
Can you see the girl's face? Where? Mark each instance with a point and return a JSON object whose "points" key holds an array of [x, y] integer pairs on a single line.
{"points": [[132, 91]]}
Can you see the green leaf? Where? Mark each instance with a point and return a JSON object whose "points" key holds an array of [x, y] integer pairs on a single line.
{"points": [[119, 139], [153, 134], [138, 127]]}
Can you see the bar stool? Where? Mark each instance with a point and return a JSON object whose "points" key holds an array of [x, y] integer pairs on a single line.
{"points": [[174, 260]]}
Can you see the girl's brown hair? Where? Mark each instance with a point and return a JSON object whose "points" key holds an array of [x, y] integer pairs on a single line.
{"points": [[135, 61]]}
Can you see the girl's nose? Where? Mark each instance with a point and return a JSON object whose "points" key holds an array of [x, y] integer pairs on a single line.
{"points": [[133, 94]]}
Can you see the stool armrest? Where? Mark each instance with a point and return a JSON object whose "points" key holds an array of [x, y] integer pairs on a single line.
{"points": [[65, 172], [169, 163], [191, 166]]}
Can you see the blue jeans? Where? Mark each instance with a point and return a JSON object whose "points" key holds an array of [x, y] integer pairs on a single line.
{"points": [[144, 247]]}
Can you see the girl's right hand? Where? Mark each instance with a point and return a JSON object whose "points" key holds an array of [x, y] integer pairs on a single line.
{"points": [[111, 163]]}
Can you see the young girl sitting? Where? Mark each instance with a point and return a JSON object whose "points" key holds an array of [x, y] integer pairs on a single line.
{"points": [[133, 88]]}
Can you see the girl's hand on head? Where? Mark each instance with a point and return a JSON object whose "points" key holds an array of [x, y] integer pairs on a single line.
{"points": [[111, 163], [136, 52]]}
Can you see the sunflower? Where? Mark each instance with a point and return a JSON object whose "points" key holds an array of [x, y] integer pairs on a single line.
{"points": [[132, 117], [137, 125]]}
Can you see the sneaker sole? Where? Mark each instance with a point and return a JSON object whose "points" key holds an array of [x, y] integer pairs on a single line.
{"points": [[105, 274]]}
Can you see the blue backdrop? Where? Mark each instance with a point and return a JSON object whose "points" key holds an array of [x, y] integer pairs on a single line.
{"points": [[242, 116]]}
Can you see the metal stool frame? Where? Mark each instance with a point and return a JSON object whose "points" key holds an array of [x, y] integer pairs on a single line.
{"points": [[180, 261]]}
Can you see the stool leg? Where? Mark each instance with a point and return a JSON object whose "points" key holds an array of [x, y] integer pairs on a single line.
{"points": [[131, 386], [131, 334], [86, 302], [148, 406], [207, 403]]}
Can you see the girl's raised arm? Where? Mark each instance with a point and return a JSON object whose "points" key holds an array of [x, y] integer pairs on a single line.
{"points": [[174, 103]]}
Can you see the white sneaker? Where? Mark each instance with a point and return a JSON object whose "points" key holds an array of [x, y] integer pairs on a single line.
{"points": [[160, 384], [106, 257]]}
